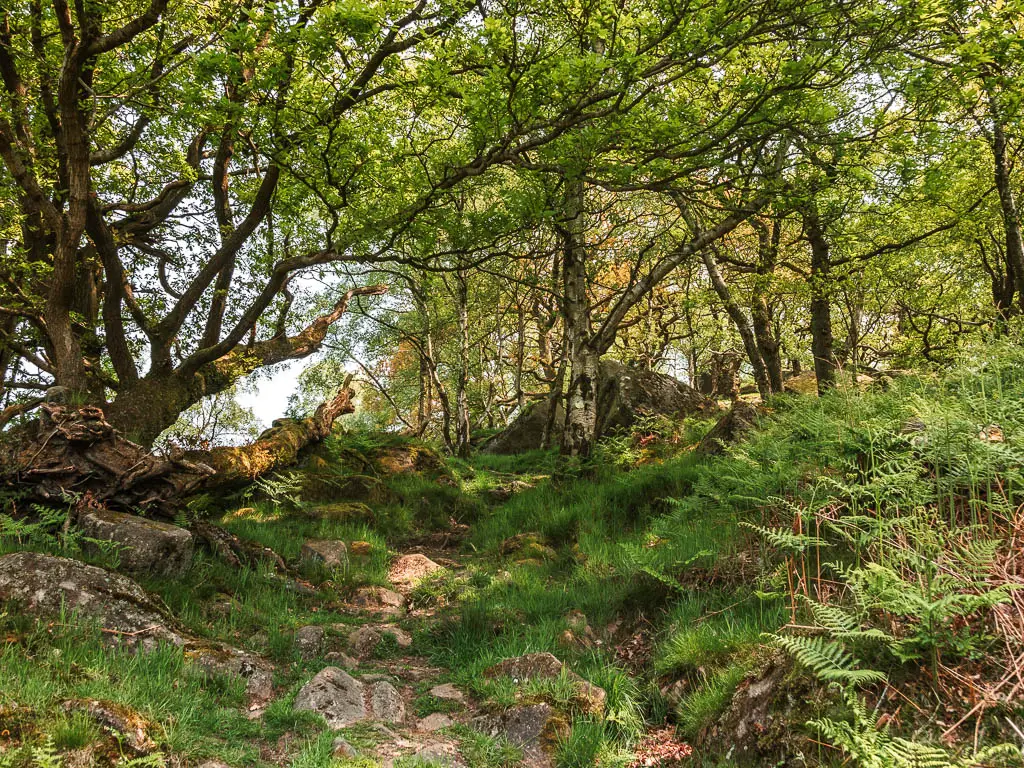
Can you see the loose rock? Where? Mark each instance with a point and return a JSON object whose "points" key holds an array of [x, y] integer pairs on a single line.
{"points": [[386, 702], [379, 600], [330, 554], [143, 545], [334, 694], [435, 722], [309, 641], [448, 692], [409, 570], [343, 750], [360, 548], [439, 754], [365, 640]]}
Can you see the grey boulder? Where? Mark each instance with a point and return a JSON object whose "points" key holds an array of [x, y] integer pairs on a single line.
{"points": [[49, 587], [334, 694], [143, 546]]}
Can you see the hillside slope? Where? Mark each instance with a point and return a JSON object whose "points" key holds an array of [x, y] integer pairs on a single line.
{"points": [[840, 588]]}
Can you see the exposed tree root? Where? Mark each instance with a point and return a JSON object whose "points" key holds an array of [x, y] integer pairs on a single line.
{"points": [[73, 455]]}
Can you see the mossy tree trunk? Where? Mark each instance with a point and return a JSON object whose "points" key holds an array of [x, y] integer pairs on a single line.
{"points": [[75, 457]]}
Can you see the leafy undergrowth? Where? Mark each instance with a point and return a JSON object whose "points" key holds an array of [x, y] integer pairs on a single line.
{"points": [[855, 563]]}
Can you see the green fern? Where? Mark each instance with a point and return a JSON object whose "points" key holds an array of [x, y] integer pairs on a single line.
{"points": [[785, 539], [827, 659], [870, 745]]}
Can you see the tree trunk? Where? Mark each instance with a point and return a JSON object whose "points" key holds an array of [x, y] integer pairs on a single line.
{"points": [[739, 319], [423, 410], [822, 341], [462, 427], [581, 411], [760, 311], [1007, 201], [74, 457], [554, 398], [581, 403]]}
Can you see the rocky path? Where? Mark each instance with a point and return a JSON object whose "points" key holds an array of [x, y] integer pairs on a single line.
{"points": [[381, 696], [385, 701]]}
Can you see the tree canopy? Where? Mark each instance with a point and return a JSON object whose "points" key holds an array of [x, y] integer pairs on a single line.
{"points": [[470, 203]]}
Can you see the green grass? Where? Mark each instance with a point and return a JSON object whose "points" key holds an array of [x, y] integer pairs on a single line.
{"points": [[661, 551], [701, 708], [189, 716]]}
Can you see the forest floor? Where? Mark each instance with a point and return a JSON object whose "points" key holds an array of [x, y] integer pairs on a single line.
{"points": [[661, 582]]}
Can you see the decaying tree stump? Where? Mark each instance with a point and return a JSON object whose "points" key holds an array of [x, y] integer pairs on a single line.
{"points": [[72, 454]]}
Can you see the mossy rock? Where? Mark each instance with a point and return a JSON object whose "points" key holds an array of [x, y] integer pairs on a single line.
{"points": [[765, 723], [528, 547], [412, 459], [342, 511]]}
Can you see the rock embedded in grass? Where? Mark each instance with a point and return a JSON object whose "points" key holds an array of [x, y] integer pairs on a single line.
{"points": [[335, 695], [379, 601], [434, 722], [360, 548], [534, 728], [409, 570], [143, 546], [329, 554], [130, 728], [445, 755], [527, 547], [235, 664], [310, 640], [546, 666], [365, 640], [342, 750], [448, 692], [342, 511], [54, 587], [386, 702]]}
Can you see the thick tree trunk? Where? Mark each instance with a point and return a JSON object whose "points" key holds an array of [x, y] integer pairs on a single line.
{"points": [[147, 406], [581, 411], [275, 449]]}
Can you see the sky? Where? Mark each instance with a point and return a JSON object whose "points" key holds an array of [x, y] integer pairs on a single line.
{"points": [[268, 395]]}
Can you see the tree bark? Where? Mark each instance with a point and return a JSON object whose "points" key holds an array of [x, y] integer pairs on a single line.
{"points": [[462, 426], [739, 319], [581, 401], [147, 406], [73, 456], [760, 311], [822, 340], [1007, 200]]}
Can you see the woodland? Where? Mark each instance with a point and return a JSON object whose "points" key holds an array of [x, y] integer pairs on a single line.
{"points": [[659, 397]]}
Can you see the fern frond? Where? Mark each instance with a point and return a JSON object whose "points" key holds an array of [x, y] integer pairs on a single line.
{"points": [[827, 658]]}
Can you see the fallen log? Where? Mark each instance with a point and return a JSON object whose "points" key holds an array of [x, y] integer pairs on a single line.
{"points": [[275, 449], [71, 456]]}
